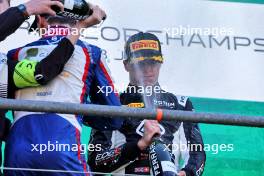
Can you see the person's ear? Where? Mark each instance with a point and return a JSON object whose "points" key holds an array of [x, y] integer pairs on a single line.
{"points": [[38, 18], [42, 22]]}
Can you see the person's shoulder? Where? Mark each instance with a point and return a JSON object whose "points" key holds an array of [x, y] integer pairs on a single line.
{"points": [[44, 41], [14, 53], [183, 101], [38, 43]]}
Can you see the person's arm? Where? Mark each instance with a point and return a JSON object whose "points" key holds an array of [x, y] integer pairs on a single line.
{"points": [[51, 66], [13, 17], [27, 73], [48, 68], [196, 161], [194, 166], [110, 159], [103, 92], [101, 79]]}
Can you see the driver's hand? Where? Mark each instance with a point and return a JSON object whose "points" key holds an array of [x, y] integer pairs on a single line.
{"points": [[181, 173], [38, 7], [95, 18], [151, 128]]}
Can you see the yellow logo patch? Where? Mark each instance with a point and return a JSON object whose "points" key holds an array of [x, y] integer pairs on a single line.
{"points": [[136, 105]]}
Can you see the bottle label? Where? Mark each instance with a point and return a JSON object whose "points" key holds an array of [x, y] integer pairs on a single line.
{"points": [[168, 166], [69, 4]]}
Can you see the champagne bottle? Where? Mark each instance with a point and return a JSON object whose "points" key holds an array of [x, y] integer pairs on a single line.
{"points": [[75, 9], [160, 158]]}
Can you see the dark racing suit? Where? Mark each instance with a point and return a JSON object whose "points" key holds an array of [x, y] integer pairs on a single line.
{"points": [[120, 153]]}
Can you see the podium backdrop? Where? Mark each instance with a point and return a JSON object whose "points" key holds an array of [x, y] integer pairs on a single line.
{"points": [[223, 60]]}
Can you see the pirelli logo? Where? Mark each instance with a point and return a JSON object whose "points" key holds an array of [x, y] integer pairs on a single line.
{"points": [[136, 105], [144, 45]]}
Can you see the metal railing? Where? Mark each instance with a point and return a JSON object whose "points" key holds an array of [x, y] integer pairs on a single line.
{"points": [[135, 113]]}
